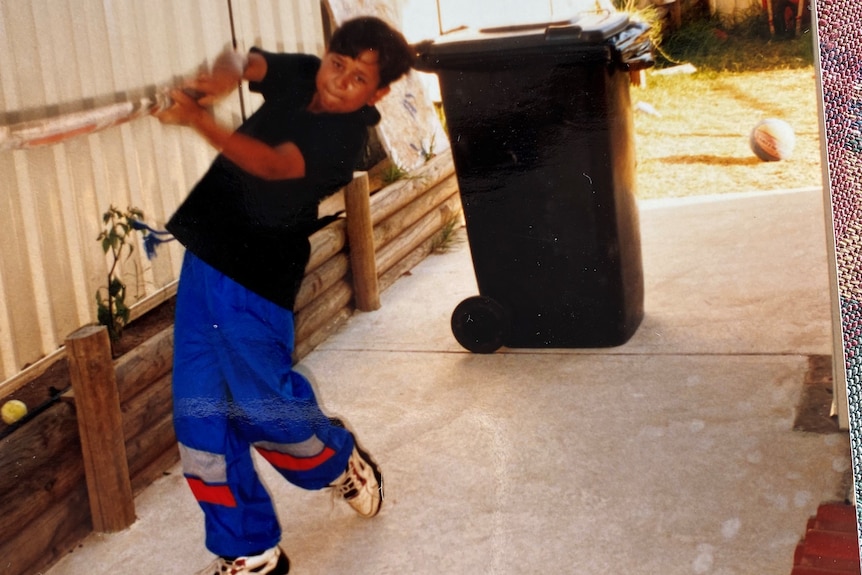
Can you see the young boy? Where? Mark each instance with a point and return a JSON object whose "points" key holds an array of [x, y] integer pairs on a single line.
{"points": [[245, 226]]}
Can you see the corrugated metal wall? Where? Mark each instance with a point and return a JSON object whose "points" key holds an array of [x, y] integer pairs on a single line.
{"points": [[60, 56]]}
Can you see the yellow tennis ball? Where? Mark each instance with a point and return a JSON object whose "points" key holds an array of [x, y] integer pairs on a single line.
{"points": [[13, 410]]}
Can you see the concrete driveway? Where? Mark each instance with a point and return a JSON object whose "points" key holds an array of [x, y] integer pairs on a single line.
{"points": [[673, 454]]}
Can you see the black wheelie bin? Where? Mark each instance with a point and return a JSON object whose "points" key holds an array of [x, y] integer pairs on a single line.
{"points": [[540, 122]]}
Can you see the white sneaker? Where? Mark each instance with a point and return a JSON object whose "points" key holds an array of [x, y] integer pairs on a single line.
{"points": [[361, 484], [270, 562]]}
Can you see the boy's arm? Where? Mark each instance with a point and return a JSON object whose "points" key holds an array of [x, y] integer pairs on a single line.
{"points": [[281, 162], [255, 157]]}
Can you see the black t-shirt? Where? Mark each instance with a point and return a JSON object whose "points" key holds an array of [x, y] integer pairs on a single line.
{"points": [[256, 231]]}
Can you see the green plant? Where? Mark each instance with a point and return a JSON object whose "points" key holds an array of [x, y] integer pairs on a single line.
{"points": [[647, 14], [448, 236], [428, 153], [740, 45], [392, 173], [111, 308]]}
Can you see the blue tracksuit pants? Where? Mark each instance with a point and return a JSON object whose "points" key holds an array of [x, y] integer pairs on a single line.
{"points": [[235, 390]]}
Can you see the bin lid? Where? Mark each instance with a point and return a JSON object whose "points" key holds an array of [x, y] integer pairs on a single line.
{"points": [[582, 31]]}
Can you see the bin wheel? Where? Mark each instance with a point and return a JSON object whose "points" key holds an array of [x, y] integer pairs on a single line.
{"points": [[480, 324]]}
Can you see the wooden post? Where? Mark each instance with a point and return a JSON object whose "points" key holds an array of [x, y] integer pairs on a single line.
{"points": [[800, 10], [769, 15], [676, 14], [360, 238], [100, 423]]}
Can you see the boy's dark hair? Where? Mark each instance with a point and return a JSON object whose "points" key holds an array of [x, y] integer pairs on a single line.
{"points": [[395, 57]]}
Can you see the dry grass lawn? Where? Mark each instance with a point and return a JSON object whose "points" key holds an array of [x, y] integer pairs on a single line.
{"points": [[699, 143]]}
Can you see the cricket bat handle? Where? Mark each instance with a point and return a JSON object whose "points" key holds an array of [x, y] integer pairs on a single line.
{"points": [[56, 129]]}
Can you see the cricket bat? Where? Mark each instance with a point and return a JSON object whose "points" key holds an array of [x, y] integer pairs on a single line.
{"points": [[56, 129]]}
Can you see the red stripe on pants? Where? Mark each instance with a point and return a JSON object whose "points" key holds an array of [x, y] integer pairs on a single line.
{"points": [[217, 494], [291, 463]]}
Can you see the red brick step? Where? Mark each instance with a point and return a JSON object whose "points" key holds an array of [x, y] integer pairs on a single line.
{"points": [[830, 545]]}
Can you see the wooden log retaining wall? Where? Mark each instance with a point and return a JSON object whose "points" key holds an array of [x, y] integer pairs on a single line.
{"points": [[43, 485]]}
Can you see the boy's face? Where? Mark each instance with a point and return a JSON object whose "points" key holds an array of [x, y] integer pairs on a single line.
{"points": [[345, 84]]}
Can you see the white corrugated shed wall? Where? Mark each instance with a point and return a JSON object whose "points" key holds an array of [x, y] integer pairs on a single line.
{"points": [[60, 56]]}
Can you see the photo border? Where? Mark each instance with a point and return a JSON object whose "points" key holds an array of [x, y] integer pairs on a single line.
{"points": [[837, 27]]}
